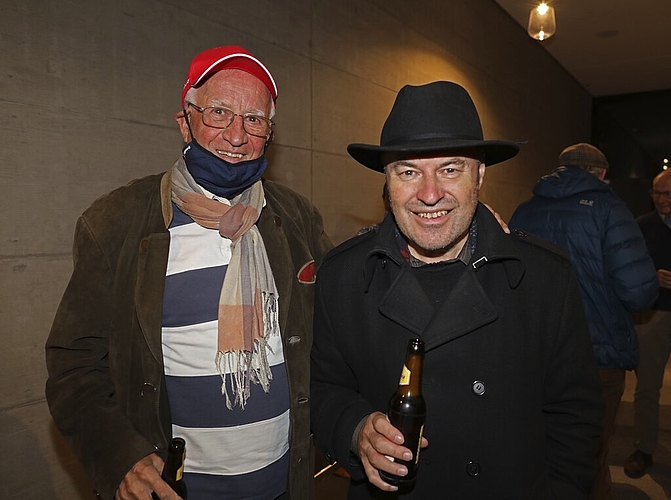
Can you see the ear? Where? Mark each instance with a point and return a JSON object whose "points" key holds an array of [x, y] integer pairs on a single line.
{"points": [[183, 126], [269, 139], [481, 174]]}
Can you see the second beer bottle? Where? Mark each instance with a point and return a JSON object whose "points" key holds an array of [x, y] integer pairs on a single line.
{"points": [[173, 470], [407, 412]]}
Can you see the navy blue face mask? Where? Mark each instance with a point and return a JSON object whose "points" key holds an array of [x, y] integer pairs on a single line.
{"points": [[219, 176]]}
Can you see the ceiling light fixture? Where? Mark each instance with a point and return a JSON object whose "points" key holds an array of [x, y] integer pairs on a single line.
{"points": [[542, 24]]}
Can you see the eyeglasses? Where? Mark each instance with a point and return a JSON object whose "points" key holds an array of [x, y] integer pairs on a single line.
{"points": [[218, 117], [660, 194]]}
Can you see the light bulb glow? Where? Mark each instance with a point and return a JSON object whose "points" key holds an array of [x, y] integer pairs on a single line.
{"points": [[542, 24]]}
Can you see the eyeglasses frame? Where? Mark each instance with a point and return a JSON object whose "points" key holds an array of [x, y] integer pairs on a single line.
{"points": [[203, 110]]}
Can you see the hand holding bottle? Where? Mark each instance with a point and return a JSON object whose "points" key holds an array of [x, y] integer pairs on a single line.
{"points": [[378, 440], [143, 479]]}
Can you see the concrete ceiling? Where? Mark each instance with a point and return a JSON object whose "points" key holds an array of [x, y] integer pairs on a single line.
{"points": [[620, 52], [610, 46]]}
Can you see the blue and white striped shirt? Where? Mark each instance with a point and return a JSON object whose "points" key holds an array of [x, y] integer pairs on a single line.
{"points": [[232, 454]]}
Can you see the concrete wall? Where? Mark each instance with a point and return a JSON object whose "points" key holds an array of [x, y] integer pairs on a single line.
{"points": [[88, 90]]}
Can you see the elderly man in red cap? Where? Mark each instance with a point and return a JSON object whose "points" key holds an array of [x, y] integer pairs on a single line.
{"points": [[189, 310], [509, 379]]}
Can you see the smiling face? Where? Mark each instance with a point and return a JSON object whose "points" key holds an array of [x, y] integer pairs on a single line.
{"points": [[433, 201], [240, 92]]}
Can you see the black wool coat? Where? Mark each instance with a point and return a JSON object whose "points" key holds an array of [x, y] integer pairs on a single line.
{"points": [[510, 380]]}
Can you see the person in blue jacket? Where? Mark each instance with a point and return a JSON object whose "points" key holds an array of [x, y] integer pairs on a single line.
{"points": [[574, 208]]}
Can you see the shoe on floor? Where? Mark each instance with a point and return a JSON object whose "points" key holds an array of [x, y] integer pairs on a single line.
{"points": [[637, 464]]}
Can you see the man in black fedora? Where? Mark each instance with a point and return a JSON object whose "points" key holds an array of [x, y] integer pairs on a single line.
{"points": [[510, 381]]}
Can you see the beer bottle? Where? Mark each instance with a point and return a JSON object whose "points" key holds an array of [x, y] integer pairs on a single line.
{"points": [[407, 411], [173, 469]]}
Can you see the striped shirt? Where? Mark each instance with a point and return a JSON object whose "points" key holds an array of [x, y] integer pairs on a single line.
{"points": [[232, 454]]}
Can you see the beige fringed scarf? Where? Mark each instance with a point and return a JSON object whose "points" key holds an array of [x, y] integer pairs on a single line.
{"points": [[248, 304]]}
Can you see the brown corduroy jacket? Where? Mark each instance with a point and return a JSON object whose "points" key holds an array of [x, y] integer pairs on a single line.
{"points": [[106, 386]]}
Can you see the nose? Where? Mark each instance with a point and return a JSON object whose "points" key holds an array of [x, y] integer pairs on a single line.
{"points": [[429, 191], [235, 133]]}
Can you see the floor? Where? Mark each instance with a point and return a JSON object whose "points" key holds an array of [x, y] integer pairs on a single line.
{"points": [[332, 483]]}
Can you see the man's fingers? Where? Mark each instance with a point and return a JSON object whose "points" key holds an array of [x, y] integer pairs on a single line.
{"points": [[143, 478]]}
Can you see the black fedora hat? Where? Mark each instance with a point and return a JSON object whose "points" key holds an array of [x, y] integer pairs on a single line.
{"points": [[433, 118]]}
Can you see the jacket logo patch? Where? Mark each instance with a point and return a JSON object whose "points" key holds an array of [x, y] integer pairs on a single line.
{"points": [[589, 203], [306, 274]]}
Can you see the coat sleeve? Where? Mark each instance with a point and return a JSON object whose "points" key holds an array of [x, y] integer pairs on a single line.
{"points": [[337, 407], [627, 261], [573, 405], [81, 395]]}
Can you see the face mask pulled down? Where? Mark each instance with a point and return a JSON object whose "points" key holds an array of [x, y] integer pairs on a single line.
{"points": [[218, 176]]}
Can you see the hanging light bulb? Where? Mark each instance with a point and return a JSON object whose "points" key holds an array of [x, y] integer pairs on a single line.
{"points": [[542, 23]]}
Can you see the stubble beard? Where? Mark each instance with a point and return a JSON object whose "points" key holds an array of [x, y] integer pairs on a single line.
{"points": [[436, 241]]}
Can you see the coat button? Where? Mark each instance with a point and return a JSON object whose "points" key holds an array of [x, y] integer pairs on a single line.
{"points": [[473, 469], [478, 388], [294, 339], [147, 388], [277, 220]]}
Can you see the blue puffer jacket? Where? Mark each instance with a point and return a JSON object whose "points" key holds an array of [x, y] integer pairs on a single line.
{"points": [[580, 213]]}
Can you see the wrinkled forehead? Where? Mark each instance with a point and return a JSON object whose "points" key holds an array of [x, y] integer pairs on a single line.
{"points": [[233, 86]]}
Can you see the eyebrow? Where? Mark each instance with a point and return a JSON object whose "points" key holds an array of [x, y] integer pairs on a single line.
{"points": [[220, 104], [450, 161], [455, 160]]}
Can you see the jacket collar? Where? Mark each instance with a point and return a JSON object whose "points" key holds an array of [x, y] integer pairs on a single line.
{"points": [[468, 305], [166, 198], [493, 245]]}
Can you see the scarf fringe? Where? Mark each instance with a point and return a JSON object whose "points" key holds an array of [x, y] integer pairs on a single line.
{"points": [[244, 367]]}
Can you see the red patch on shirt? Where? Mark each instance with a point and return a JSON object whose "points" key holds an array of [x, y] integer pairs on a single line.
{"points": [[306, 274]]}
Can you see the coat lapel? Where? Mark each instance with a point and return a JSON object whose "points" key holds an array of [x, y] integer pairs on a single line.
{"points": [[150, 283], [406, 303], [279, 256], [465, 309]]}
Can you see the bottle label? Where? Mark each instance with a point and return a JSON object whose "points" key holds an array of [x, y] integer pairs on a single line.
{"points": [[419, 444], [180, 473], [405, 376]]}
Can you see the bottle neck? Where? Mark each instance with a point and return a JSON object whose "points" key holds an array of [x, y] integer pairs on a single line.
{"points": [[175, 457], [411, 378]]}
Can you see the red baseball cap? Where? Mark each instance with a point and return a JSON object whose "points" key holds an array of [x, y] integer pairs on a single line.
{"points": [[215, 59]]}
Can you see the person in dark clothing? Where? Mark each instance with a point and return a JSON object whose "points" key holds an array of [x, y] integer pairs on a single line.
{"points": [[575, 209], [510, 380], [654, 330]]}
